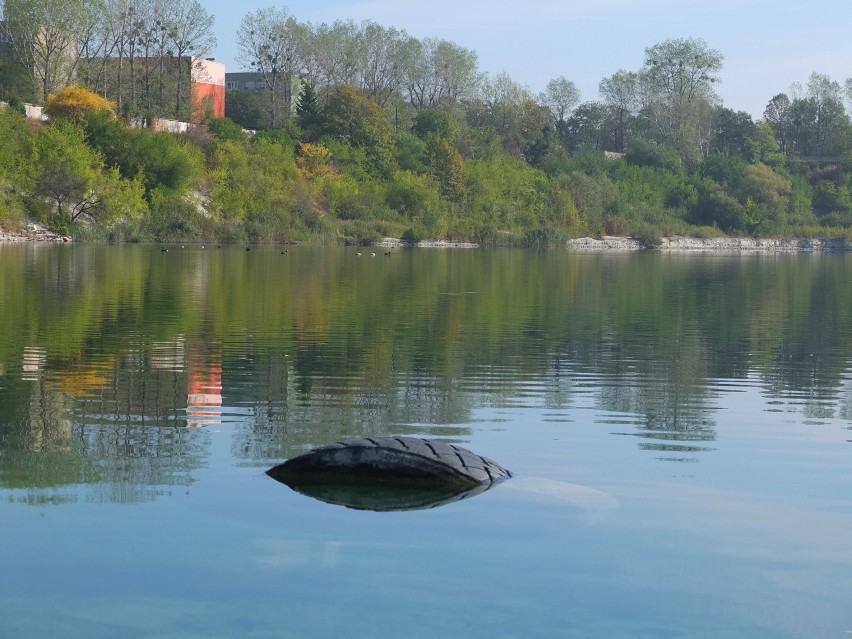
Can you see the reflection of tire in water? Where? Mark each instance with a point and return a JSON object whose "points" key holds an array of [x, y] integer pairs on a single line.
{"points": [[389, 473], [587, 505]]}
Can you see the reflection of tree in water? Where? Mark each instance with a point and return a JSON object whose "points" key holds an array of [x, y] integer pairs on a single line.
{"points": [[102, 368], [126, 442], [668, 396], [286, 421]]}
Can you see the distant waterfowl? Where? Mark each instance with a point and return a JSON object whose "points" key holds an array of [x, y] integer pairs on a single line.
{"points": [[372, 255], [164, 250], [358, 254]]}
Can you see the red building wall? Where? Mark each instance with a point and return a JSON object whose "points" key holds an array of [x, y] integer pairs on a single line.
{"points": [[212, 94], [208, 87]]}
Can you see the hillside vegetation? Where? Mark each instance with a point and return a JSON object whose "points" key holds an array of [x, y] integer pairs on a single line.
{"points": [[493, 165]]}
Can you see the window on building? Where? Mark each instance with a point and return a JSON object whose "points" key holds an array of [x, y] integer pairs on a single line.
{"points": [[232, 85]]}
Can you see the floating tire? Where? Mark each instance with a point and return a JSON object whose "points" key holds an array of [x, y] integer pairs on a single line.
{"points": [[389, 473]]}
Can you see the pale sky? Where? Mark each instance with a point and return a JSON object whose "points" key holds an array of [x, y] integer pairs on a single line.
{"points": [[767, 44]]}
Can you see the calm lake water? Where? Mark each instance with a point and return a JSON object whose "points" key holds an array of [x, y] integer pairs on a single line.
{"points": [[679, 428]]}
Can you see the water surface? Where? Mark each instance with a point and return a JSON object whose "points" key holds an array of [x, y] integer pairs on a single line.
{"points": [[679, 427]]}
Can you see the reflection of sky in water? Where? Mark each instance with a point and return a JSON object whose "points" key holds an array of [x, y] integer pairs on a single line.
{"points": [[736, 545]]}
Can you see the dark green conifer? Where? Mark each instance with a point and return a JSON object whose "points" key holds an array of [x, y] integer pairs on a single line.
{"points": [[309, 112]]}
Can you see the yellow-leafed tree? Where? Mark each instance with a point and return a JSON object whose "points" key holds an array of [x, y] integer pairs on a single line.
{"points": [[314, 160], [75, 103]]}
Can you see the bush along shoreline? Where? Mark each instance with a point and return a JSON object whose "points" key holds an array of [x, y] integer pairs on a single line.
{"points": [[347, 172]]}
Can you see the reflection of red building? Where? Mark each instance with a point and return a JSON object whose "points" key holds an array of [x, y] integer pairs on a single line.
{"points": [[208, 88], [204, 399]]}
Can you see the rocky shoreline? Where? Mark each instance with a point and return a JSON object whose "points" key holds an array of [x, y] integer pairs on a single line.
{"points": [[32, 233], [676, 244], [392, 242], [711, 245]]}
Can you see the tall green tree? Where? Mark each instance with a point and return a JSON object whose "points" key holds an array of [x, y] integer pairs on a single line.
{"points": [[679, 77], [355, 119], [439, 73], [331, 55], [72, 177], [16, 82], [778, 115], [272, 43], [587, 130], [731, 130], [620, 92], [560, 97], [384, 53], [189, 33], [309, 112], [43, 34]]}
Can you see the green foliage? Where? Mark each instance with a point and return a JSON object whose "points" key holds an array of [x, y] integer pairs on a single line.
{"points": [[309, 112], [716, 206], [287, 134], [546, 237], [413, 235], [361, 233], [254, 182], [355, 119], [643, 153], [174, 218], [161, 160], [16, 83], [762, 146], [226, 129], [493, 167], [411, 152], [16, 152], [410, 194], [724, 168], [168, 163], [447, 167], [247, 108], [765, 198], [351, 160], [435, 122], [647, 235], [66, 170], [71, 177], [352, 199]]}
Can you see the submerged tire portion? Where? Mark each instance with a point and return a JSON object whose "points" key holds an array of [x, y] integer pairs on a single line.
{"points": [[400, 461]]}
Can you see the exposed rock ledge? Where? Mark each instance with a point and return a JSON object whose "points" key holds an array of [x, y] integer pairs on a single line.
{"points": [[32, 233], [392, 242], [714, 245]]}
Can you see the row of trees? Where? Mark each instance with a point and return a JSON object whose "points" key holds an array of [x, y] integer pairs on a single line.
{"points": [[126, 50], [384, 62], [134, 52], [670, 100], [340, 170]]}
